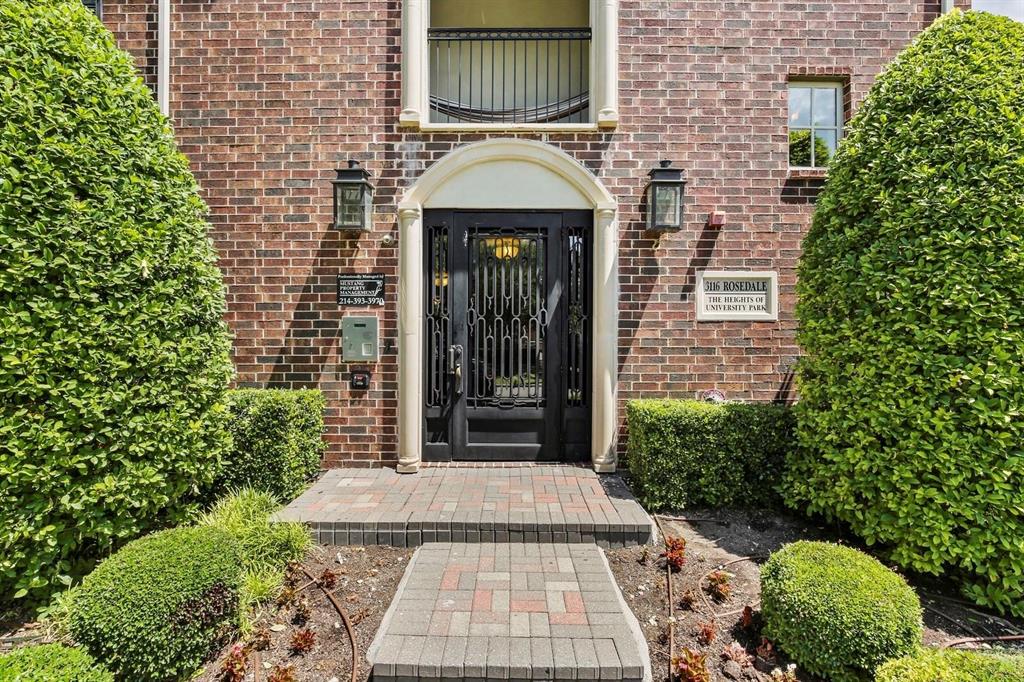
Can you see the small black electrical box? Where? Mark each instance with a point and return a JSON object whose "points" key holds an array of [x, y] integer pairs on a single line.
{"points": [[360, 379]]}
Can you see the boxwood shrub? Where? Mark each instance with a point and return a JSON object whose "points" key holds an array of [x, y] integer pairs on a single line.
{"points": [[688, 452], [51, 663], [154, 609], [278, 440], [950, 665], [911, 310], [115, 356], [837, 612]]}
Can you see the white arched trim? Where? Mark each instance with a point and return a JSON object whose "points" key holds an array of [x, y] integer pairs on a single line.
{"points": [[533, 175]]}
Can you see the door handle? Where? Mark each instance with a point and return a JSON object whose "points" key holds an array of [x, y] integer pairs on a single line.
{"points": [[455, 363]]}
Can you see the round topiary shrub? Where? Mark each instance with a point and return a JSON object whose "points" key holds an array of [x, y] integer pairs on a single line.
{"points": [[837, 611], [115, 354], [948, 665], [51, 663], [154, 609], [911, 309]]}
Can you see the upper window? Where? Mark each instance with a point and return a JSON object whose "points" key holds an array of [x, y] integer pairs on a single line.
{"points": [[494, 61], [94, 5], [815, 123], [1010, 8]]}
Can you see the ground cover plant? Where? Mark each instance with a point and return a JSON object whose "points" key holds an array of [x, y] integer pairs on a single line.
{"points": [[51, 663], [911, 310], [689, 452], [114, 349], [950, 665]]}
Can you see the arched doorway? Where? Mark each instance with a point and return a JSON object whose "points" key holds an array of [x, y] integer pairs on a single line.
{"points": [[519, 207]]}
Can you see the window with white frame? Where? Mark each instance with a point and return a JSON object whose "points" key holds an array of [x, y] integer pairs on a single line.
{"points": [[1010, 8], [815, 122]]}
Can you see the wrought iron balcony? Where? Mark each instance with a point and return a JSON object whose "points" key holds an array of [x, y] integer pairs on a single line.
{"points": [[510, 75]]}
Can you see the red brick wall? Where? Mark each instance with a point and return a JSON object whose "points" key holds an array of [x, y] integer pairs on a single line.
{"points": [[269, 96]]}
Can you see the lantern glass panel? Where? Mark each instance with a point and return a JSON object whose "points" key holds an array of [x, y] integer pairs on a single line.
{"points": [[666, 205], [350, 206]]}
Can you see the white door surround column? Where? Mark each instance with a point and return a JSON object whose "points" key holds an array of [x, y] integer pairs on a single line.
{"points": [[509, 174]]}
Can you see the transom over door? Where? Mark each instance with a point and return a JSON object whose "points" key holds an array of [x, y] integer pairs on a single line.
{"points": [[508, 327]]}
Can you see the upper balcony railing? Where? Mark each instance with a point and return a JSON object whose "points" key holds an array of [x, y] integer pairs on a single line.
{"points": [[509, 75]]}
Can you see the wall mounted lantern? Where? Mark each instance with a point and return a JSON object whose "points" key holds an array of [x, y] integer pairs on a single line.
{"points": [[665, 198], [353, 199]]}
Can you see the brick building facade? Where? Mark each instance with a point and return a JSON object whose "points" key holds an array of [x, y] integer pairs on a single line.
{"points": [[269, 97]]}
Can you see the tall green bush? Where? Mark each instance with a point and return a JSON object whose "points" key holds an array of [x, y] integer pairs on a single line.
{"points": [[115, 355], [156, 608], [278, 441], [911, 309], [689, 452]]}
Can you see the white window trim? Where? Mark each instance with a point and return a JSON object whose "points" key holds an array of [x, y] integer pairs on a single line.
{"points": [[838, 85], [604, 73]]}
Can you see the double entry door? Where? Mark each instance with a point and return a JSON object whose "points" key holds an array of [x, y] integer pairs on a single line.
{"points": [[508, 327]]}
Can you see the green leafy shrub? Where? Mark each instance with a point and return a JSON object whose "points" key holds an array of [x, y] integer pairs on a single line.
{"points": [[911, 308], [689, 452], [51, 663], [950, 665], [278, 440], [837, 611], [154, 609], [115, 355]]}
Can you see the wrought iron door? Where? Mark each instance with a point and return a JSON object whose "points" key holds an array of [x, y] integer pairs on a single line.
{"points": [[508, 322]]}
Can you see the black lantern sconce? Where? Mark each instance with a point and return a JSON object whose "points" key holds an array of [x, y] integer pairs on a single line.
{"points": [[353, 199], [665, 198]]}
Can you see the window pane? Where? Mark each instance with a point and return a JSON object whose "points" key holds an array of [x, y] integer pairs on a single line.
{"points": [[800, 148], [666, 206], [825, 107], [824, 146], [1011, 8], [799, 107]]}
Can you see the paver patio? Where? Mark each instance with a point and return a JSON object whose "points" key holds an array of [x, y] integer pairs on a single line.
{"points": [[526, 611], [556, 503]]}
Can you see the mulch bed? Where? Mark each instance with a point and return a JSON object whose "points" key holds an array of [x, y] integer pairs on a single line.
{"points": [[367, 578], [717, 537]]}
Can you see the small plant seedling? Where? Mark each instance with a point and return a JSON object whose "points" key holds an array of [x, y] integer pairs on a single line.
{"points": [[706, 632], [766, 650], [691, 666], [787, 675], [675, 553], [328, 579], [645, 556], [302, 642], [259, 640], [293, 574], [303, 612], [718, 585], [735, 652], [233, 667], [747, 619], [286, 596], [282, 673], [688, 600]]}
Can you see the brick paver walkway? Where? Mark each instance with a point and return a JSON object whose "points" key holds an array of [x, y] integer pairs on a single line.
{"points": [[557, 503], [531, 611]]}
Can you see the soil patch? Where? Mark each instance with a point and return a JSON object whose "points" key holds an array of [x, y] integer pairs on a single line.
{"points": [[723, 540], [367, 578]]}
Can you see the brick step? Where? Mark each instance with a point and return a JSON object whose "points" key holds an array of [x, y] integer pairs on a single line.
{"points": [[525, 504], [529, 611]]}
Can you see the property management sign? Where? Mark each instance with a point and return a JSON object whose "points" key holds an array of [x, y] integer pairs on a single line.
{"points": [[737, 295]]}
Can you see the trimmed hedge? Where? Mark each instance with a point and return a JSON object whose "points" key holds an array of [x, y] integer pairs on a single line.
{"points": [[837, 612], [911, 309], [154, 610], [51, 663], [115, 353], [950, 665], [278, 440], [688, 452]]}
